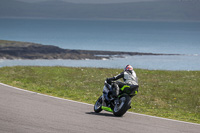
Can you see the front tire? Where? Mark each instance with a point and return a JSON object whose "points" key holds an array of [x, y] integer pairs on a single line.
{"points": [[121, 108], [98, 105]]}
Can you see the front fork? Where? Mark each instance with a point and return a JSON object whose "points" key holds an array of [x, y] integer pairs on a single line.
{"points": [[105, 105]]}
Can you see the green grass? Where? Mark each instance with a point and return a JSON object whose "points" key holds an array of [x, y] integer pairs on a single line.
{"points": [[169, 94]]}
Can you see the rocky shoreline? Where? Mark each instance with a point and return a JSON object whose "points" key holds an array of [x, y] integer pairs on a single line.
{"points": [[26, 50]]}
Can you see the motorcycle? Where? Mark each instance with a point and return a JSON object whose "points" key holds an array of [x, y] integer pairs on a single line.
{"points": [[118, 105]]}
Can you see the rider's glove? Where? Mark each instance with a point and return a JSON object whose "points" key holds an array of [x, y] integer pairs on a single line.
{"points": [[109, 80]]}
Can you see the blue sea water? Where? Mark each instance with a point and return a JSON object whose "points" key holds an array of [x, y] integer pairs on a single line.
{"points": [[133, 36]]}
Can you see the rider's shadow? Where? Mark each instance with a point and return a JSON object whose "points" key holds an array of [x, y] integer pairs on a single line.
{"points": [[100, 114]]}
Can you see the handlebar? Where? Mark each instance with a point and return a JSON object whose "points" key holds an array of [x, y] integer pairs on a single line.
{"points": [[107, 81]]}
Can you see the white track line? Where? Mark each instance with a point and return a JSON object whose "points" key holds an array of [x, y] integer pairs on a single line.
{"points": [[93, 105]]}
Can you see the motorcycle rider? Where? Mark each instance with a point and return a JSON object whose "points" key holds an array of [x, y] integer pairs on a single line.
{"points": [[130, 83]]}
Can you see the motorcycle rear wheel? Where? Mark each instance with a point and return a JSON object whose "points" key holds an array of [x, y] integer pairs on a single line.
{"points": [[121, 108]]}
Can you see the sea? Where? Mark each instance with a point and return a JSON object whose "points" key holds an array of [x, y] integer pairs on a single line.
{"points": [[163, 37]]}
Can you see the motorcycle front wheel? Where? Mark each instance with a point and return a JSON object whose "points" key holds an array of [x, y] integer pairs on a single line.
{"points": [[123, 105], [97, 105]]}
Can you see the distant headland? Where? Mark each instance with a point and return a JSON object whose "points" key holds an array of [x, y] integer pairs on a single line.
{"points": [[27, 50]]}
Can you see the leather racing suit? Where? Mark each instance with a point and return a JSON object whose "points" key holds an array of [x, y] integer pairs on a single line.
{"points": [[130, 83]]}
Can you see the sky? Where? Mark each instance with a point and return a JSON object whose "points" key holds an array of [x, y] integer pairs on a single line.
{"points": [[90, 1]]}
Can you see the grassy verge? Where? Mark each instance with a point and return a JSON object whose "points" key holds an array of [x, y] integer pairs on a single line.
{"points": [[169, 94]]}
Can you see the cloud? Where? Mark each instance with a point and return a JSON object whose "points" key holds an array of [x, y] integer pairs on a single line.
{"points": [[103, 1], [89, 1], [33, 1]]}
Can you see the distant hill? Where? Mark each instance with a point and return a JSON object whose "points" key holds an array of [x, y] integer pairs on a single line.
{"points": [[27, 50], [188, 10]]}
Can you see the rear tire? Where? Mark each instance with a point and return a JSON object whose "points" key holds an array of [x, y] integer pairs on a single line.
{"points": [[98, 104], [123, 106]]}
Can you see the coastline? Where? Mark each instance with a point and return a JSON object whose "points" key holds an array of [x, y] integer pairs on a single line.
{"points": [[28, 50]]}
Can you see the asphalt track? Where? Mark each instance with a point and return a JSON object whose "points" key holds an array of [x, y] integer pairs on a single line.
{"points": [[29, 112]]}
